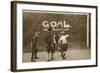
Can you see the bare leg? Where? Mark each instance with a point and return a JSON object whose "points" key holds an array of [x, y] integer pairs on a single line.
{"points": [[61, 53], [48, 56], [64, 53], [32, 57], [52, 55], [36, 55]]}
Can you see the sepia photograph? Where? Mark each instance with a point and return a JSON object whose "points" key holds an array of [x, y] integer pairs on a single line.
{"points": [[56, 36], [47, 36]]}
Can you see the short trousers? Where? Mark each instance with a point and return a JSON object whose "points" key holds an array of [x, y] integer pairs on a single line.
{"points": [[64, 47], [34, 49], [50, 49]]}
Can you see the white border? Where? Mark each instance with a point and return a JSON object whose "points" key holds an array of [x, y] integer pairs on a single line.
{"points": [[21, 65]]}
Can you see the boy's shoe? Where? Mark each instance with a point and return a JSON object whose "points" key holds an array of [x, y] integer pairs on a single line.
{"points": [[48, 60], [63, 57], [52, 58], [36, 57], [32, 60]]}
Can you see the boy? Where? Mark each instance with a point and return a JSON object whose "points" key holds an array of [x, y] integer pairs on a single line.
{"points": [[63, 43], [50, 44], [34, 44]]}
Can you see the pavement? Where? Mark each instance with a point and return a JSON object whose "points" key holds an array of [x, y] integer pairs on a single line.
{"points": [[71, 54]]}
